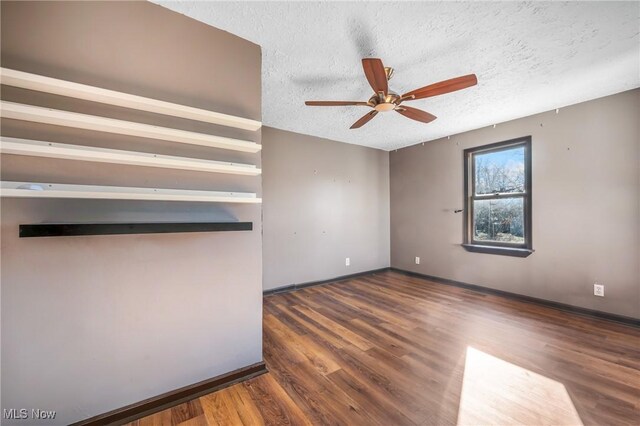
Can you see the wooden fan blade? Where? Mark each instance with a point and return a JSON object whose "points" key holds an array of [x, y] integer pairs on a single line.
{"points": [[416, 114], [376, 76], [364, 120], [442, 87], [335, 103]]}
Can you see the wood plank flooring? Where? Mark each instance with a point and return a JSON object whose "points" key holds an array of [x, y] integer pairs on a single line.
{"points": [[389, 349]]}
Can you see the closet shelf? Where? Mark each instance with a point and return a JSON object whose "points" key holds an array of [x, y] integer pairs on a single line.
{"points": [[55, 86], [56, 190], [114, 156], [77, 229], [37, 114]]}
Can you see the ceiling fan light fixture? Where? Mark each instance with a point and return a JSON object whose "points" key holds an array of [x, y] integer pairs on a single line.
{"points": [[386, 106]]}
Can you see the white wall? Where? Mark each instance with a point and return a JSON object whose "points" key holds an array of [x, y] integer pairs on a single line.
{"points": [[586, 207], [324, 201]]}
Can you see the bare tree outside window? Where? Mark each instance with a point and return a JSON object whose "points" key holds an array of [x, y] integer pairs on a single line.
{"points": [[498, 173], [498, 194]]}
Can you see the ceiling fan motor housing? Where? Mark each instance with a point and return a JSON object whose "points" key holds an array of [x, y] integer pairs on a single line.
{"points": [[384, 103]]}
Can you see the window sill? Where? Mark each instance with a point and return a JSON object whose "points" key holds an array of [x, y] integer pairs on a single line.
{"points": [[504, 251]]}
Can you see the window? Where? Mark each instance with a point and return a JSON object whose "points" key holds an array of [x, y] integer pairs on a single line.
{"points": [[498, 198]]}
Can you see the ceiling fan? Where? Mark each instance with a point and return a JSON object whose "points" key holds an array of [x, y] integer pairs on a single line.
{"points": [[384, 99]]}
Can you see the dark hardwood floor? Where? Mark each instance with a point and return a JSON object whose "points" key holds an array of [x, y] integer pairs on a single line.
{"points": [[389, 349]]}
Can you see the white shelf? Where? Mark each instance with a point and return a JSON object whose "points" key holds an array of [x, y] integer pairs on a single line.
{"points": [[102, 124], [54, 190], [103, 155], [95, 94]]}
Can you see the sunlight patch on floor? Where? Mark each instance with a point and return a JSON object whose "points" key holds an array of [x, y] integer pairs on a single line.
{"points": [[498, 392]]}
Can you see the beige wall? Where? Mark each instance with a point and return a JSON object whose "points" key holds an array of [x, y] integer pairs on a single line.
{"points": [[324, 201], [90, 324], [586, 207]]}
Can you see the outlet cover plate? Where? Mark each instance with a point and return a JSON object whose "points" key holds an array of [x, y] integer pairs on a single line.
{"points": [[598, 290]]}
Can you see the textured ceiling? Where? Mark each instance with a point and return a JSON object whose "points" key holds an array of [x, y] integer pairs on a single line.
{"points": [[529, 58]]}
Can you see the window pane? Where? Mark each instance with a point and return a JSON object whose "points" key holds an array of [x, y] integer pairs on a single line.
{"points": [[499, 172], [499, 220]]}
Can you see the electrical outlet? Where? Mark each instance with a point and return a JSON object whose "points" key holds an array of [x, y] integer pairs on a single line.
{"points": [[417, 260], [598, 290], [347, 261]]}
